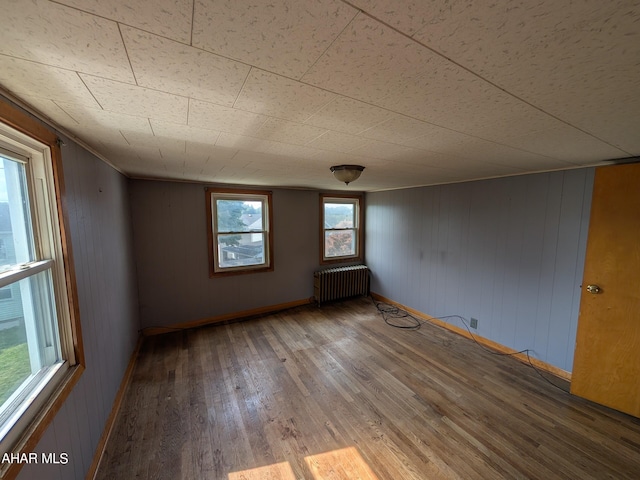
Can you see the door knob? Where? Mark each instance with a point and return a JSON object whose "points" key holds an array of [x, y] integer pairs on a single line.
{"points": [[593, 289]]}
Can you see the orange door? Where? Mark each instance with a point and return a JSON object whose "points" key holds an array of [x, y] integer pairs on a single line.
{"points": [[606, 366]]}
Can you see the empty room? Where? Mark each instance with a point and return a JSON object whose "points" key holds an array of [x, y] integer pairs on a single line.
{"points": [[319, 239]]}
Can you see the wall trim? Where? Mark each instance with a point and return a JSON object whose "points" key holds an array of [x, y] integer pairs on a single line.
{"points": [[544, 366], [157, 330], [113, 415]]}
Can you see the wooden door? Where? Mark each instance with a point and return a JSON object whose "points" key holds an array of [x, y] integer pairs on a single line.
{"points": [[606, 366]]}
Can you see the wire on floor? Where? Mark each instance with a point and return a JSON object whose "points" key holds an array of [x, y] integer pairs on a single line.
{"points": [[391, 312]]}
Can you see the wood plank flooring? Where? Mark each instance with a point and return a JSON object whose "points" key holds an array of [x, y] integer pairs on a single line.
{"points": [[335, 393]]}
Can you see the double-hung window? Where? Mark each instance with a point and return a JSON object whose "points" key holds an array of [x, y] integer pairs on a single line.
{"points": [[39, 334], [240, 231], [341, 217]]}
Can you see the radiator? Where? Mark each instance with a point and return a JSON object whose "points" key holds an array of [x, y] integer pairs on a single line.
{"points": [[342, 282]]}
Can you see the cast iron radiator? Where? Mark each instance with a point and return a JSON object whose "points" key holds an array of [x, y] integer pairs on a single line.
{"points": [[341, 282]]}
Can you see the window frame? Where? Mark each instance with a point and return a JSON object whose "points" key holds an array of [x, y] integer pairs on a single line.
{"points": [[23, 134], [358, 200], [214, 193]]}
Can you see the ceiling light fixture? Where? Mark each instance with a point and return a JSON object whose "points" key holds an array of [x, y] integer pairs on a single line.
{"points": [[347, 173]]}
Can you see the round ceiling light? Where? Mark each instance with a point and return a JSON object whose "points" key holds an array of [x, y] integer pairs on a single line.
{"points": [[347, 173]]}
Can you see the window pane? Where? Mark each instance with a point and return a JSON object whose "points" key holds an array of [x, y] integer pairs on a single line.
{"points": [[29, 339], [16, 237], [241, 249], [5, 294], [339, 243], [339, 215], [239, 216]]}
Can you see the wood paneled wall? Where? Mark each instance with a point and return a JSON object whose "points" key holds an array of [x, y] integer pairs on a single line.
{"points": [[97, 204], [508, 252], [170, 237]]}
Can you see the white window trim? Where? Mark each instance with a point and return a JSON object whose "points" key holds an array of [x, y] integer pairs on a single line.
{"points": [[263, 196], [357, 202]]}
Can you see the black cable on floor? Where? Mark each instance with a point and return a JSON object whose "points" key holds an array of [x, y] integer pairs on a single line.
{"points": [[389, 312]]}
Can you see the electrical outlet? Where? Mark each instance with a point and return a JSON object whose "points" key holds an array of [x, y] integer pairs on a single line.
{"points": [[473, 323]]}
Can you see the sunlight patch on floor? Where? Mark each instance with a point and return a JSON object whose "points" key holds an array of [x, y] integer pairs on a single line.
{"points": [[342, 464], [276, 471], [345, 463]]}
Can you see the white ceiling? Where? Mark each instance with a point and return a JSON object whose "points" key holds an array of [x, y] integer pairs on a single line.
{"points": [[275, 92]]}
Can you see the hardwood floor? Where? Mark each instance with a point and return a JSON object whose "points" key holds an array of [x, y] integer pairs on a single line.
{"points": [[335, 393]]}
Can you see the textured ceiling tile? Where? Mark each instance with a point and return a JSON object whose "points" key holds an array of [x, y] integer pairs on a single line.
{"points": [[216, 117], [259, 158], [150, 141], [349, 116], [369, 61], [98, 136], [288, 132], [450, 97], [209, 168], [329, 159], [135, 154], [562, 57], [568, 144], [49, 109], [176, 68], [184, 132], [283, 37], [389, 151], [617, 124], [400, 129], [169, 18], [490, 152], [337, 142], [254, 144], [240, 142], [52, 34], [294, 151], [613, 117], [97, 118], [121, 154], [408, 16], [399, 173], [277, 96], [23, 77], [420, 170], [142, 102], [474, 169], [521, 74], [237, 175], [477, 149], [204, 150], [525, 163]]}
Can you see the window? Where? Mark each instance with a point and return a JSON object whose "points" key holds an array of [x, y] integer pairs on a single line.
{"points": [[341, 217], [40, 350], [5, 294], [240, 233]]}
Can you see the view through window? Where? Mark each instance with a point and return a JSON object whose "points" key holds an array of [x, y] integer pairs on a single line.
{"points": [[29, 339], [240, 230], [40, 353], [341, 228]]}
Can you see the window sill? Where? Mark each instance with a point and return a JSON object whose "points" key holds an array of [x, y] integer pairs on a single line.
{"points": [[240, 271], [28, 441], [340, 260]]}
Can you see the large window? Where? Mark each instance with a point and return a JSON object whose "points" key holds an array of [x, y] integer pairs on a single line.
{"points": [[40, 351], [341, 217], [240, 231]]}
